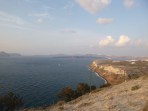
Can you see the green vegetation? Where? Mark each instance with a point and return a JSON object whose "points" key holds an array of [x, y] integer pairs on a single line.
{"points": [[10, 102], [68, 94], [136, 87]]}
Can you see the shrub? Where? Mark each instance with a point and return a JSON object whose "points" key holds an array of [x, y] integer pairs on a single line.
{"points": [[93, 87], [66, 94], [10, 102], [82, 88], [135, 87]]}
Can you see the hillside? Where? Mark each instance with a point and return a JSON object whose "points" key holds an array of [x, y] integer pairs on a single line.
{"points": [[128, 96]]}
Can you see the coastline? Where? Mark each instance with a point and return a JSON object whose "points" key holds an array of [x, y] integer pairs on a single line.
{"points": [[97, 74]]}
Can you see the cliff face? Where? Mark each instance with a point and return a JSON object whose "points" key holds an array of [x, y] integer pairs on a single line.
{"points": [[118, 71]]}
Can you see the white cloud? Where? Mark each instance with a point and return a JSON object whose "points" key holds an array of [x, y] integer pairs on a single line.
{"points": [[123, 41], [4, 17], [107, 41], [104, 20], [12, 21], [93, 6], [42, 17], [129, 3]]}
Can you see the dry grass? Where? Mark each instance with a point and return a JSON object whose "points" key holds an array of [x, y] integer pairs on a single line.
{"points": [[84, 104], [146, 107], [61, 108], [60, 103]]}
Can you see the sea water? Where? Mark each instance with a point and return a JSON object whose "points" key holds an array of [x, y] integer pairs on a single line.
{"points": [[39, 79]]}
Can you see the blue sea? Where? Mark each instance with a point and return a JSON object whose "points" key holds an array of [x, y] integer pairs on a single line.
{"points": [[39, 79]]}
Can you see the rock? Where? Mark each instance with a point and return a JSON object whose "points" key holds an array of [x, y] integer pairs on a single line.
{"points": [[118, 72]]}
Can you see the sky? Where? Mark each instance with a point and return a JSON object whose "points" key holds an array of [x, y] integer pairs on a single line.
{"points": [[47, 27]]}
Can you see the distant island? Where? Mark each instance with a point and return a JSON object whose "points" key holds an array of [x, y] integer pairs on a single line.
{"points": [[95, 56], [5, 54], [78, 56]]}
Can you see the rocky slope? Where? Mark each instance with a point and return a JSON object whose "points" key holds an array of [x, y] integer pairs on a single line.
{"points": [[129, 96]]}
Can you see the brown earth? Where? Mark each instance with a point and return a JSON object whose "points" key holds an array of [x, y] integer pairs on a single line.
{"points": [[116, 72]]}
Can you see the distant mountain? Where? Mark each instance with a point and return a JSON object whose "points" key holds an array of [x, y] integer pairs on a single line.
{"points": [[91, 56], [95, 56], [5, 54], [80, 56]]}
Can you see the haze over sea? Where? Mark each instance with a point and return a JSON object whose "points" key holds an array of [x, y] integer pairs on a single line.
{"points": [[38, 79]]}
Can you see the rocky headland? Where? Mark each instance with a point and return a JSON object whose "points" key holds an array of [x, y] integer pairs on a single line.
{"points": [[115, 72]]}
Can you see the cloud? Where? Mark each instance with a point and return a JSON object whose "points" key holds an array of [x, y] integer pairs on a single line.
{"points": [[69, 5], [123, 40], [138, 42], [104, 21], [70, 31], [107, 41], [4, 17], [48, 8], [93, 6], [129, 3], [12, 21], [42, 17]]}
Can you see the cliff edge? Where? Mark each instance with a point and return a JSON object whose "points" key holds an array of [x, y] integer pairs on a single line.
{"points": [[115, 72]]}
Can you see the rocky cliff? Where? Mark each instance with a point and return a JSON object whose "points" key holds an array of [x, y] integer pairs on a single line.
{"points": [[118, 71]]}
